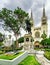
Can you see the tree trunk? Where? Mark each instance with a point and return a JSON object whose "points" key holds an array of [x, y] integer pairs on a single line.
{"points": [[17, 44]]}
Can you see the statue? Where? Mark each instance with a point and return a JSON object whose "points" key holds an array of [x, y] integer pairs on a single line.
{"points": [[28, 26]]}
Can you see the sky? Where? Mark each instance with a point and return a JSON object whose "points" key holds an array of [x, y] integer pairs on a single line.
{"points": [[27, 5]]}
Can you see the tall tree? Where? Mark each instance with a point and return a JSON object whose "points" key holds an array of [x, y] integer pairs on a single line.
{"points": [[21, 16], [14, 20]]}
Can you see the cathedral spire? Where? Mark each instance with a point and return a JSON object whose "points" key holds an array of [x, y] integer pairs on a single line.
{"points": [[44, 17], [31, 14], [44, 14], [31, 18]]}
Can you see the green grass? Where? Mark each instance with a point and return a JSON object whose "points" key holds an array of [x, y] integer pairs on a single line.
{"points": [[47, 55], [9, 56], [30, 60]]}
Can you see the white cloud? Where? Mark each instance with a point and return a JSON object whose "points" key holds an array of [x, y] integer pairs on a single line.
{"points": [[2, 3]]}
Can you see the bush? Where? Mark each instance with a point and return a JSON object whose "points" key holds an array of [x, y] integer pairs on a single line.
{"points": [[21, 40], [46, 42], [47, 55], [19, 48], [1, 52], [1, 43]]}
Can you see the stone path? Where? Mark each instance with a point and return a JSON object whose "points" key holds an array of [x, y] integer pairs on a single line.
{"points": [[41, 58]]}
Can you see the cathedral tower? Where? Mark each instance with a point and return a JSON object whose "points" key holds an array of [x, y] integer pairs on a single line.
{"points": [[44, 25]]}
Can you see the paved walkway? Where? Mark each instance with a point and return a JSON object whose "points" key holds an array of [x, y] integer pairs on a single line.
{"points": [[41, 58]]}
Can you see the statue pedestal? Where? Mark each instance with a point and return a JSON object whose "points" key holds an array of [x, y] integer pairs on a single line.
{"points": [[28, 44]]}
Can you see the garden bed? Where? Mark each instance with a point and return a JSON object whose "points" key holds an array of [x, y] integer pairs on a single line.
{"points": [[10, 56], [30, 60], [13, 60]]}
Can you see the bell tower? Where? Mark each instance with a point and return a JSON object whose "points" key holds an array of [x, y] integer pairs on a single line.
{"points": [[44, 25]]}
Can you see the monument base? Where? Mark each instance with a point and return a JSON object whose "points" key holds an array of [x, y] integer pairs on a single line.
{"points": [[28, 43]]}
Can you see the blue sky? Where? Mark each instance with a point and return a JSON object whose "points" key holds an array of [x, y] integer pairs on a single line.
{"points": [[27, 5]]}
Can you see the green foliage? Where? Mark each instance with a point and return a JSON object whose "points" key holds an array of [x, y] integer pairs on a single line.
{"points": [[11, 21], [45, 42], [20, 14], [1, 52], [1, 37], [1, 43], [21, 40], [47, 55], [1, 34], [17, 49], [32, 39], [43, 35], [21, 17], [30, 60]]}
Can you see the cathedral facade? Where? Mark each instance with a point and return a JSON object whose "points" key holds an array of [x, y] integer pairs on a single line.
{"points": [[38, 31]]}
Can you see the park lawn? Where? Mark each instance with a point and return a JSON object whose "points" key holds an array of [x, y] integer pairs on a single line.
{"points": [[47, 54], [10, 56], [30, 60]]}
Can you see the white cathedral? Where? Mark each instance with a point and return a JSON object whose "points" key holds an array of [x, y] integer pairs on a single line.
{"points": [[38, 31]]}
